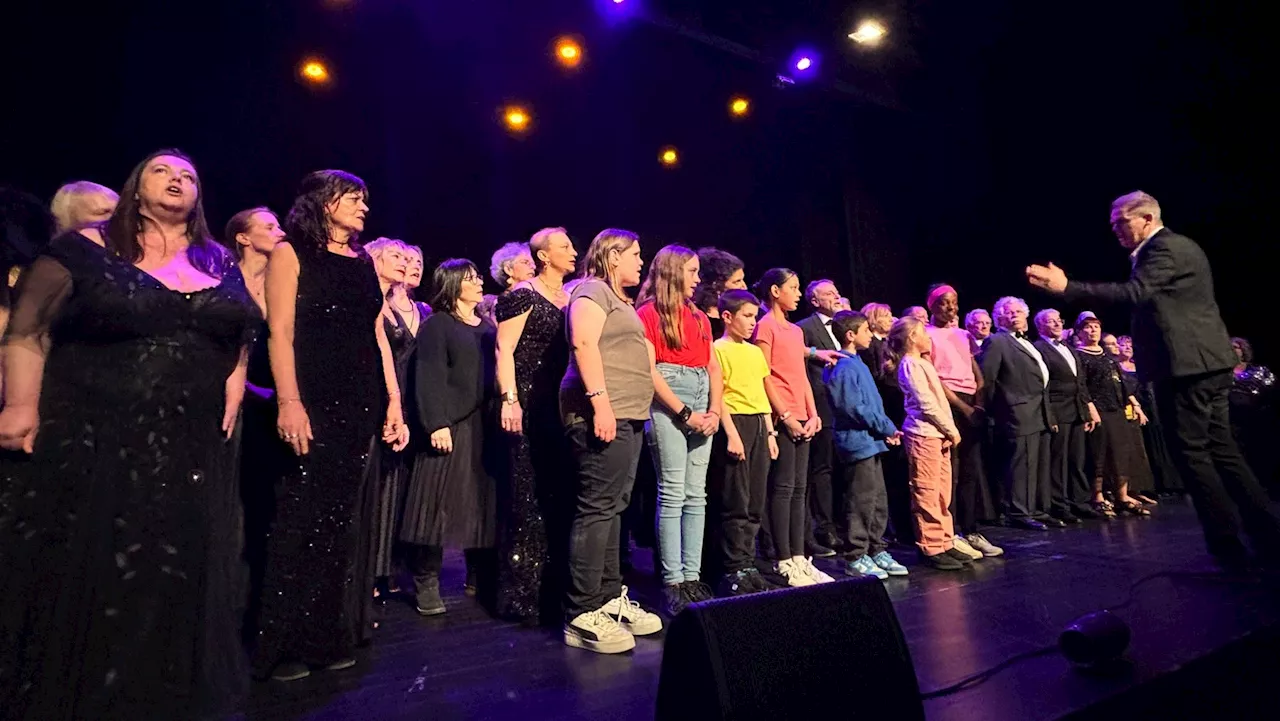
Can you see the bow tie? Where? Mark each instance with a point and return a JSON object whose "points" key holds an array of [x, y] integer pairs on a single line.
{"points": [[1018, 334]]}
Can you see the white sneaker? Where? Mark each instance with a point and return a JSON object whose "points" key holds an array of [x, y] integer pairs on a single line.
{"points": [[983, 546], [596, 631], [795, 574], [817, 574], [630, 616], [964, 547]]}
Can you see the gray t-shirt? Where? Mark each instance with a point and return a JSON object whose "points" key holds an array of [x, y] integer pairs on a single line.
{"points": [[627, 378]]}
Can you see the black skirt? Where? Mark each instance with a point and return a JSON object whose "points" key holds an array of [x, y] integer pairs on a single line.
{"points": [[451, 498], [1116, 445]]}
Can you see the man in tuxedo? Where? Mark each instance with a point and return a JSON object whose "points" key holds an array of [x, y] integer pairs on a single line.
{"points": [[1070, 486], [978, 323], [822, 540], [1186, 354], [1018, 402]]}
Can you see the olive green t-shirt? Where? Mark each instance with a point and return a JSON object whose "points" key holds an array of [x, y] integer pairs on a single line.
{"points": [[627, 378]]}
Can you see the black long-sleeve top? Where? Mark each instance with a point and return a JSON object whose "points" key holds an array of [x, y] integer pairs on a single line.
{"points": [[455, 370], [1105, 381]]}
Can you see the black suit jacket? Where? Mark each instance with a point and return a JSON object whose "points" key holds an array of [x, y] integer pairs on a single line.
{"points": [[816, 336], [1017, 398], [1068, 396], [1176, 326]]}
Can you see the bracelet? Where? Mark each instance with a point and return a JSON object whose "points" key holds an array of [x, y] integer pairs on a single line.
{"points": [[510, 398], [773, 434], [714, 413], [784, 416], [288, 400], [813, 352], [593, 394]]}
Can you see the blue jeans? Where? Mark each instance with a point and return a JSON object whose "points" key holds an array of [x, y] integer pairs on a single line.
{"points": [[680, 460]]}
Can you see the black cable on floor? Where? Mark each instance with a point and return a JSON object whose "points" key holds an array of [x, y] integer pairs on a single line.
{"points": [[981, 677]]}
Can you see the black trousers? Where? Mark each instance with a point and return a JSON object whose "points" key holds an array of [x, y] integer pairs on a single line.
{"points": [[866, 506], [606, 473], [782, 533], [738, 491], [1195, 417], [1070, 484], [970, 501], [821, 498], [1026, 470]]}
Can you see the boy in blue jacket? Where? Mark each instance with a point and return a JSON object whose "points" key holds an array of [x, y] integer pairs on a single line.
{"points": [[862, 432]]}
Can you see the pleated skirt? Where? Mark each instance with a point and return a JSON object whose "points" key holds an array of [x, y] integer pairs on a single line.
{"points": [[451, 498]]}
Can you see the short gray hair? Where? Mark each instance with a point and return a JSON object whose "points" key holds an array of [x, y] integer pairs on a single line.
{"points": [[973, 315], [1002, 305], [1044, 314], [66, 201], [539, 241], [502, 258], [376, 248], [1137, 202]]}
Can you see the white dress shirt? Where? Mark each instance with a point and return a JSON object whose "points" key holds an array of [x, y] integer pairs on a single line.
{"points": [[826, 323], [1133, 255], [1044, 369], [1065, 352]]}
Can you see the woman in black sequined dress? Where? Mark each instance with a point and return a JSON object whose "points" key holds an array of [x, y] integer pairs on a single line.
{"points": [[1116, 444], [120, 532], [332, 366], [532, 356]]}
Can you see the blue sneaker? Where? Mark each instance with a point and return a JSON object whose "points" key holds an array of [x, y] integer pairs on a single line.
{"points": [[885, 561], [864, 567]]}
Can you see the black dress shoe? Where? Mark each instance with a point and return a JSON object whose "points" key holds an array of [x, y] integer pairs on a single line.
{"points": [[960, 556], [1028, 523], [1070, 520], [1052, 522]]}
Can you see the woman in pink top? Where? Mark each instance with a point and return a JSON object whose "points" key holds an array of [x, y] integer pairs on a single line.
{"points": [[930, 435], [782, 533]]}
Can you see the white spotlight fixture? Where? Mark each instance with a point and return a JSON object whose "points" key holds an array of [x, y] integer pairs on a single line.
{"points": [[869, 32]]}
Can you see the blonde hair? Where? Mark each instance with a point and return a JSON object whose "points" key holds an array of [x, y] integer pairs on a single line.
{"points": [[899, 336], [665, 287], [610, 240], [376, 248], [540, 241], [68, 200], [1138, 203]]}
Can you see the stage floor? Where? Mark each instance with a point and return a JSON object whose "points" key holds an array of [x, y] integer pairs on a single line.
{"points": [[465, 665]]}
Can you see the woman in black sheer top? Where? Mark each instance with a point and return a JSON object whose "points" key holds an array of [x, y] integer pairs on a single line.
{"points": [[119, 511]]}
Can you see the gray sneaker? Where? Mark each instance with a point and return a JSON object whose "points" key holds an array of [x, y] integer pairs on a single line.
{"points": [[983, 546]]}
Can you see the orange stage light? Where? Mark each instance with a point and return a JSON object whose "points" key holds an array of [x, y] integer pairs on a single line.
{"points": [[314, 71], [669, 157], [568, 52], [739, 106], [516, 118]]}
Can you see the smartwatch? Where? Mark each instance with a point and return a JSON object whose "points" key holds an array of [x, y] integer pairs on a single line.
{"points": [[684, 415]]}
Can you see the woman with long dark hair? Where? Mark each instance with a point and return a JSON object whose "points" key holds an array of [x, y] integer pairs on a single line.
{"points": [[332, 366], [120, 529], [451, 496], [532, 356]]}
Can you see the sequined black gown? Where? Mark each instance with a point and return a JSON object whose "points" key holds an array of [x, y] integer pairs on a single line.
{"points": [[317, 590], [529, 530], [121, 582]]}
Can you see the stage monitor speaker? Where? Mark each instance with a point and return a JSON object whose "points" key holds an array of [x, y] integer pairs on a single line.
{"points": [[798, 653]]}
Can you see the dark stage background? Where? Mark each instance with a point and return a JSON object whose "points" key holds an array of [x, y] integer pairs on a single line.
{"points": [[981, 137]]}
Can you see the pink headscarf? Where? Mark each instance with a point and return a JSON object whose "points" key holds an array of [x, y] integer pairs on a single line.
{"points": [[938, 293]]}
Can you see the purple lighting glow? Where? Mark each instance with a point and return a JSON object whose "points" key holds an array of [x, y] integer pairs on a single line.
{"points": [[804, 63]]}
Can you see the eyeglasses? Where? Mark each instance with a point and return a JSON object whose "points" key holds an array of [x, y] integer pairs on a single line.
{"points": [[472, 278]]}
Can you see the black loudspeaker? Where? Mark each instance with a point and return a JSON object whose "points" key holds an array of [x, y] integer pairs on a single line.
{"points": [[797, 653]]}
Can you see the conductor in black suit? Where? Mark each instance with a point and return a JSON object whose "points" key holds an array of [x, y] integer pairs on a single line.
{"points": [[1016, 380], [1070, 486], [822, 350], [1186, 354]]}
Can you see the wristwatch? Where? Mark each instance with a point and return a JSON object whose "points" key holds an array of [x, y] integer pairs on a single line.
{"points": [[684, 414], [773, 434], [509, 398]]}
